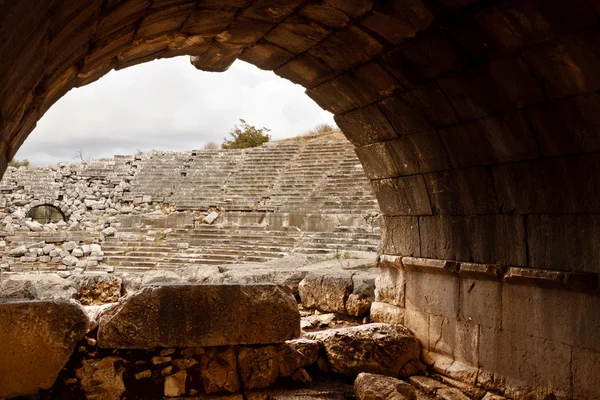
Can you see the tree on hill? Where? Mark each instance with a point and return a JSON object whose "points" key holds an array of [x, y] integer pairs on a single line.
{"points": [[19, 163], [245, 136]]}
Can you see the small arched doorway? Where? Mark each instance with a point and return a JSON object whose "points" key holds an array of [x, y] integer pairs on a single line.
{"points": [[46, 213]]}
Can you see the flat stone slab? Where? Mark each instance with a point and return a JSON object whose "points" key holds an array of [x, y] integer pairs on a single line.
{"points": [[200, 316], [36, 341]]}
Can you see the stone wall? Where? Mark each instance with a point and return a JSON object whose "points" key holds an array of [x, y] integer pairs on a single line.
{"points": [[476, 120]]}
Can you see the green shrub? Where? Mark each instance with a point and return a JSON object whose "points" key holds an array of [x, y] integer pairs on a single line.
{"points": [[245, 136], [18, 163]]}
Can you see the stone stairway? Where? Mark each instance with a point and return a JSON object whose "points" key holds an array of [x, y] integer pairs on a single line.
{"points": [[212, 245]]}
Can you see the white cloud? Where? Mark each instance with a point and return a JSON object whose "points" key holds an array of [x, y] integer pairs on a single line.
{"points": [[168, 104]]}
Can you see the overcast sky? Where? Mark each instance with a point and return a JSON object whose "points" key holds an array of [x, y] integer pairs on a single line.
{"points": [[168, 105]]}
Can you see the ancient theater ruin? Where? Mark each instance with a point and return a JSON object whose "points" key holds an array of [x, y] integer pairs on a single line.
{"points": [[476, 122]]}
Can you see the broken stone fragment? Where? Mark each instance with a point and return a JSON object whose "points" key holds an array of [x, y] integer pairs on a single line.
{"points": [[374, 387], [219, 370], [327, 292], [100, 379], [36, 341], [261, 366], [375, 348], [175, 384], [200, 315]]}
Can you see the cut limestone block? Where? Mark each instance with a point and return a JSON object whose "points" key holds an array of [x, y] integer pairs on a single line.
{"points": [[36, 341], [200, 316]]}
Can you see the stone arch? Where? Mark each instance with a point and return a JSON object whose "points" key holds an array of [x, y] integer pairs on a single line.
{"points": [[62, 207], [475, 120], [46, 205]]}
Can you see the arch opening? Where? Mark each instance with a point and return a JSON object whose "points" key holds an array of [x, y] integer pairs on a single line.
{"points": [[477, 129], [46, 213]]}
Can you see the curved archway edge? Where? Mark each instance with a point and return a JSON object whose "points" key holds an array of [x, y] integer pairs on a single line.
{"points": [[477, 122]]}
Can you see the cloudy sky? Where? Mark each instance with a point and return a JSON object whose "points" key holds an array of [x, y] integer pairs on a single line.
{"points": [[168, 105]]}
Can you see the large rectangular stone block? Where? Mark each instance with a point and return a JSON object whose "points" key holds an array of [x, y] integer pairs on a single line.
{"points": [[377, 161], [400, 236], [557, 315], [564, 242], [200, 315], [484, 239], [402, 196], [463, 192], [481, 301], [586, 379], [527, 365], [419, 110], [365, 125], [491, 140], [431, 56], [419, 153], [567, 126], [567, 65], [554, 185], [457, 339], [435, 293], [389, 284]]}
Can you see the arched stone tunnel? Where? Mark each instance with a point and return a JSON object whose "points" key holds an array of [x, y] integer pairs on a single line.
{"points": [[476, 120]]}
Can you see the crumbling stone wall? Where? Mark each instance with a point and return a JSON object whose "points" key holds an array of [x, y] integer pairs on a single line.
{"points": [[475, 119]]}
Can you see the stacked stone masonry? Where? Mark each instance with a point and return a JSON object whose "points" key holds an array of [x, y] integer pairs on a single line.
{"points": [[163, 210], [476, 121]]}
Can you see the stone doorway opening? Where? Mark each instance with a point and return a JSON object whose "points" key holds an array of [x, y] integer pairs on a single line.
{"points": [[46, 213]]}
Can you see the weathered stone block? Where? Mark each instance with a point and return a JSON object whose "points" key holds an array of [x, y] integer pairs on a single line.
{"points": [[400, 236], [418, 323], [554, 185], [432, 293], [549, 314], [512, 34], [419, 110], [373, 387], [501, 85], [355, 89], [297, 34], [586, 381], [528, 365], [200, 315], [327, 292], [365, 125], [418, 61], [208, 21], [419, 153], [491, 140], [564, 242], [36, 341], [347, 49], [165, 20], [325, 14], [270, 11], [386, 313], [464, 192], [485, 239], [266, 56], [480, 302], [567, 126], [403, 196], [457, 339], [376, 348], [305, 70], [403, 20], [566, 65], [219, 370], [389, 285], [377, 161]]}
